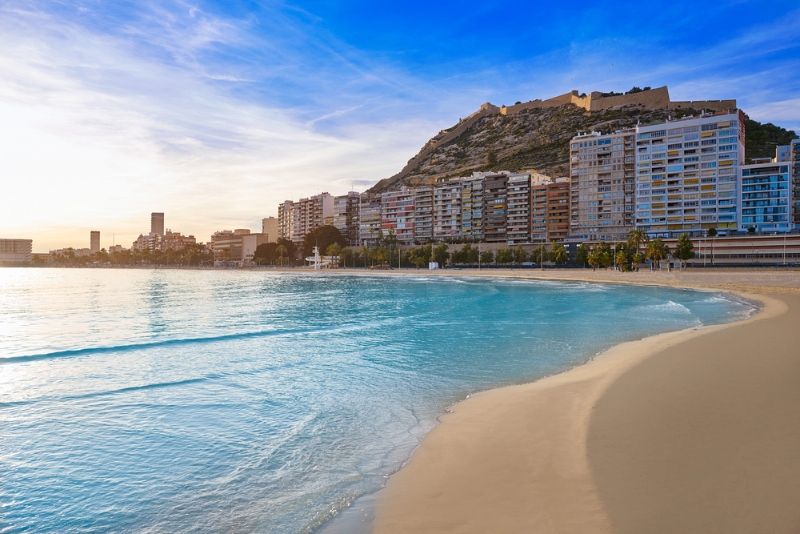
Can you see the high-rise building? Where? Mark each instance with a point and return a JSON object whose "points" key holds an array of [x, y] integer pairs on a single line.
{"points": [[686, 175], [518, 220], [397, 214], [423, 214], [495, 207], [765, 197], [550, 209], [298, 219], [369, 220], [157, 223], [285, 221], [345, 216], [447, 211], [269, 227], [94, 241], [794, 160], [16, 250], [472, 208], [603, 182]]}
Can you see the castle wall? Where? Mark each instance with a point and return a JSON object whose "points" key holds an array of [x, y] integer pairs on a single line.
{"points": [[714, 105], [657, 98]]}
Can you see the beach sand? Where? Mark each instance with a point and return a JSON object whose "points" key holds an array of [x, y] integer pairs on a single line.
{"points": [[690, 431]]}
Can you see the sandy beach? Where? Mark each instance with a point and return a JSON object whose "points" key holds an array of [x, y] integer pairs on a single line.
{"points": [[690, 431]]}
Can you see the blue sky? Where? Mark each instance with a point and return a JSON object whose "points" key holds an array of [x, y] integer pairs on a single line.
{"points": [[215, 111]]}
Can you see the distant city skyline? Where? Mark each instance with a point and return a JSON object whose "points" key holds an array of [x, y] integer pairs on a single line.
{"points": [[215, 114]]}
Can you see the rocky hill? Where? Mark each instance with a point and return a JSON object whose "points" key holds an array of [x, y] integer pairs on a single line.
{"points": [[535, 136]]}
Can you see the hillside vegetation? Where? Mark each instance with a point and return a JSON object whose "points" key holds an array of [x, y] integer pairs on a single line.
{"points": [[538, 140]]}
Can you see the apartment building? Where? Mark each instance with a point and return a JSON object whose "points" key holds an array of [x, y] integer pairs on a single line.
{"points": [[423, 214], [397, 214], [550, 209], [518, 217], [297, 219], [794, 161], [285, 220], [14, 251], [369, 220], [765, 197], [345, 216], [447, 211], [495, 207], [603, 181], [686, 174], [472, 208], [227, 245], [269, 227], [94, 241]]}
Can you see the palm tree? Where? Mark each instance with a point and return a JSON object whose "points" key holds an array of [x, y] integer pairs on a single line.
{"points": [[636, 238], [558, 253], [712, 233], [657, 250], [281, 250]]}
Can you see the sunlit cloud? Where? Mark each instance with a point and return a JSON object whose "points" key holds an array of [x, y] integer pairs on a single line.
{"points": [[109, 111]]}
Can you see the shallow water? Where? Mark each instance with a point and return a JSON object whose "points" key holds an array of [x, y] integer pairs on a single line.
{"points": [[240, 401]]}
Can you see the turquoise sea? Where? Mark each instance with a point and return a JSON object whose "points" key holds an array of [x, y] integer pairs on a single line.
{"points": [[247, 401]]}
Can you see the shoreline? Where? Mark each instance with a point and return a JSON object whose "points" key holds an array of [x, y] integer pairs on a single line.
{"points": [[466, 476]]}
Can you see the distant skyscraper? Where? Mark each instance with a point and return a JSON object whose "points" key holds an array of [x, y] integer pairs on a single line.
{"points": [[157, 223], [94, 241]]}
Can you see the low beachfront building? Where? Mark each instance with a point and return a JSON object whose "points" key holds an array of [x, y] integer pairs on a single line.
{"points": [[16, 251]]}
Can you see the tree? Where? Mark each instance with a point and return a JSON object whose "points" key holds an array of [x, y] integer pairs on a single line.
{"points": [[712, 233], [558, 254], [684, 250], [504, 256], [657, 250], [322, 237], [282, 251], [593, 258], [265, 254], [440, 255], [621, 260], [487, 256], [604, 255], [582, 255], [635, 240], [519, 255], [636, 260], [334, 250]]}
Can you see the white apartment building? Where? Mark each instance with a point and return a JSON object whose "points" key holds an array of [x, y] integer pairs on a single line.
{"points": [[686, 175]]}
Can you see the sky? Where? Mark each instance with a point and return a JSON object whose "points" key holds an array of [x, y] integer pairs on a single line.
{"points": [[214, 112]]}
